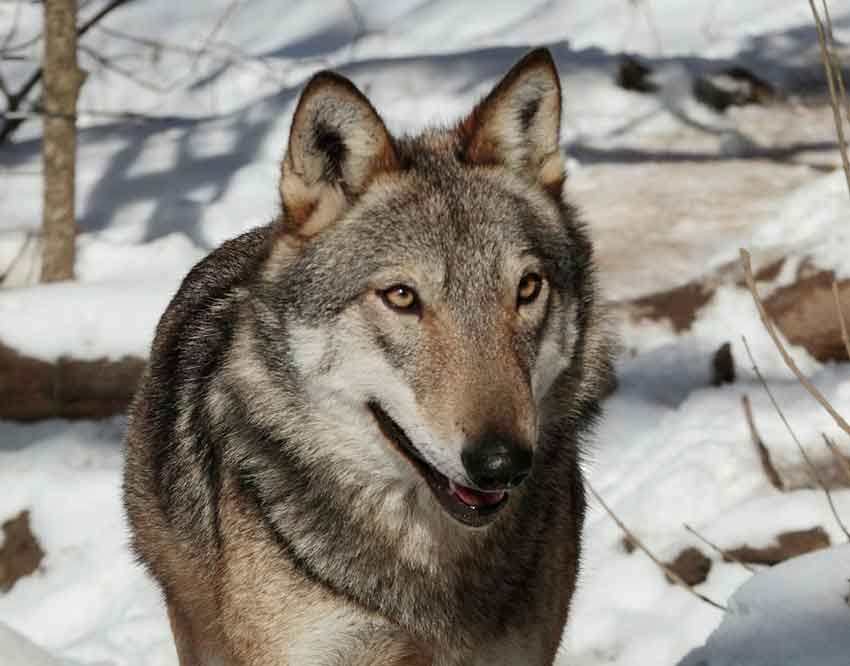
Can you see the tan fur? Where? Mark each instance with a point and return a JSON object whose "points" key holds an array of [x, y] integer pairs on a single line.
{"points": [[482, 394], [191, 584], [254, 609], [291, 621]]}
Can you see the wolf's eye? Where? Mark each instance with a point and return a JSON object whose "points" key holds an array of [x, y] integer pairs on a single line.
{"points": [[400, 297], [528, 289]]}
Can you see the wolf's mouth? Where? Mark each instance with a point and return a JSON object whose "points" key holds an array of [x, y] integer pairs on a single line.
{"points": [[471, 507]]}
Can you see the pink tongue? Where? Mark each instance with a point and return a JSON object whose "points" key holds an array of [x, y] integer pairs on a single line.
{"points": [[472, 497]]}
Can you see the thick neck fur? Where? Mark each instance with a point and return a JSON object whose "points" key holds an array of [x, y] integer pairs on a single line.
{"points": [[388, 547]]}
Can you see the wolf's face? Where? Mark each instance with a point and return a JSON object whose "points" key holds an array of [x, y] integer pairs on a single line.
{"points": [[429, 286]]}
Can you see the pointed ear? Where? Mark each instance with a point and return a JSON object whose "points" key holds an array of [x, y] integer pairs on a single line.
{"points": [[337, 145], [518, 124]]}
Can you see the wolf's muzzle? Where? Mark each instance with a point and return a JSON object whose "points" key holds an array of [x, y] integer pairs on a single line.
{"points": [[497, 463]]}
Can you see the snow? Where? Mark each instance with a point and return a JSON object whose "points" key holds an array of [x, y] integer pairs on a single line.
{"points": [[89, 321], [667, 199], [798, 612], [89, 602], [16, 649], [665, 461]]}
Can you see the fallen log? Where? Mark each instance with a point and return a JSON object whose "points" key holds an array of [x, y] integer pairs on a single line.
{"points": [[32, 389]]}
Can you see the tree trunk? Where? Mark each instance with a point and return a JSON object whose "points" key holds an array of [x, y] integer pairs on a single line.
{"points": [[62, 82]]}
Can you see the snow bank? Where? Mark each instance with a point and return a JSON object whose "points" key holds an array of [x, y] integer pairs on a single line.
{"points": [[795, 613], [672, 451], [16, 650], [89, 601], [85, 321]]}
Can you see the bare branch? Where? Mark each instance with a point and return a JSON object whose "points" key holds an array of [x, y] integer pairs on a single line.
{"points": [[224, 51], [219, 24], [126, 73], [99, 16], [637, 542], [12, 124], [83, 113], [815, 475], [13, 30], [359, 19], [718, 549], [29, 238], [768, 324], [764, 454], [148, 42], [20, 46]]}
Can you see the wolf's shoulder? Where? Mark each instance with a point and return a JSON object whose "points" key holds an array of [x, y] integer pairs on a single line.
{"points": [[233, 264], [233, 261]]}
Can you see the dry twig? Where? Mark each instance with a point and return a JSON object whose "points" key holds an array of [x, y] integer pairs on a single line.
{"points": [[828, 66], [836, 65], [844, 335], [719, 550], [637, 542], [815, 475], [792, 366], [764, 454], [840, 460]]}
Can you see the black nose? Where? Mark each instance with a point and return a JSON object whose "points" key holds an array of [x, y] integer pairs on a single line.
{"points": [[497, 463]]}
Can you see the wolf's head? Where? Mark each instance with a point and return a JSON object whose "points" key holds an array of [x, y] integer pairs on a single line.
{"points": [[426, 296]]}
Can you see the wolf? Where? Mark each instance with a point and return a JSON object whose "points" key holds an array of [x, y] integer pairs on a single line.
{"points": [[359, 437]]}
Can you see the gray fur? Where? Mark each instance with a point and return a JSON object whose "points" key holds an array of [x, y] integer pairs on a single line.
{"points": [[251, 413]]}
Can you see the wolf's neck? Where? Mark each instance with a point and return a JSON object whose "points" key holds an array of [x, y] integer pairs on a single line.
{"points": [[383, 555]]}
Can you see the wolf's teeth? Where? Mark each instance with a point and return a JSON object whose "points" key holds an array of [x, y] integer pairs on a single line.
{"points": [[452, 486]]}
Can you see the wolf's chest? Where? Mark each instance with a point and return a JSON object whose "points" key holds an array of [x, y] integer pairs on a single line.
{"points": [[344, 638]]}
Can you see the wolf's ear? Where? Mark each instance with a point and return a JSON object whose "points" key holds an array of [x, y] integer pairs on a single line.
{"points": [[337, 145], [518, 124]]}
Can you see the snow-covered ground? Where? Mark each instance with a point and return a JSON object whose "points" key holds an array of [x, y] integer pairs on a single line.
{"points": [[796, 613], [671, 191]]}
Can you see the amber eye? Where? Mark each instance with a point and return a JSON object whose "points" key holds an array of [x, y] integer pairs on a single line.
{"points": [[529, 288], [400, 297]]}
